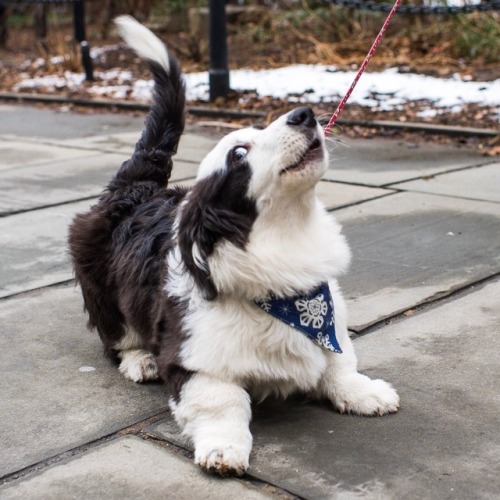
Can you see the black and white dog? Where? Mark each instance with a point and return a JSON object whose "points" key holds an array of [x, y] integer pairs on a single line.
{"points": [[227, 290]]}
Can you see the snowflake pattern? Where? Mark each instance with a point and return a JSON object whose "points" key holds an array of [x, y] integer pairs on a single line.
{"points": [[265, 304], [312, 314], [312, 311], [324, 341]]}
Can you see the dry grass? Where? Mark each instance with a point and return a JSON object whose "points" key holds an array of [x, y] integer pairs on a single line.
{"points": [[438, 45], [60, 52]]}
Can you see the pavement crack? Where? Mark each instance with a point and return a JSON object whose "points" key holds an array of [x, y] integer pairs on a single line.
{"points": [[71, 453], [360, 202], [248, 478], [390, 185], [38, 288], [48, 462], [49, 205], [445, 195], [427, 304]]}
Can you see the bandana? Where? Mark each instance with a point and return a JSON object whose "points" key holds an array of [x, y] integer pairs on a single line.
{"points": [[313, 315]]}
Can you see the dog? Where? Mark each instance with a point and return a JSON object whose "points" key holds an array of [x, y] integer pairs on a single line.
{"points": [[227, 290]]}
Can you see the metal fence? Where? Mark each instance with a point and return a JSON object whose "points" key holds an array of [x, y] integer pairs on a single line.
{"points": [[419, 9]]}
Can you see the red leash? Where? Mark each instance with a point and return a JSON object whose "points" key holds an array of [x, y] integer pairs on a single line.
{"points": [[340, 107]]}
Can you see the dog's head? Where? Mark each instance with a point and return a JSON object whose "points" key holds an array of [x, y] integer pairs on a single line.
{"points": [[251, 174], [285, 158]]}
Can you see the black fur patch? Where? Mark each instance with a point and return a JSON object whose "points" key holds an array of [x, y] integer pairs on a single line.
{"points": [[218, 208], [169, 337], [119, 253]]}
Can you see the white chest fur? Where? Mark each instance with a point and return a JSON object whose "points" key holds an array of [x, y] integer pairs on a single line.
{"points": [[235, 340]]}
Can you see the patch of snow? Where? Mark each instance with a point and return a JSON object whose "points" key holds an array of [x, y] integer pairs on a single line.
{"points": [[385, 90], [120, 76], [98, 51], [143, 90], [70, 81], [57, 59], [110, 91], [427, 113]]}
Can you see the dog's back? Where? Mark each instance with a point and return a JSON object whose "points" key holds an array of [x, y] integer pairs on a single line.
{"points": [[120, 239]]}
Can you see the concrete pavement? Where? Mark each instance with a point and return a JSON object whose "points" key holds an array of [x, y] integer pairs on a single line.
{"points": [[423, 292]]}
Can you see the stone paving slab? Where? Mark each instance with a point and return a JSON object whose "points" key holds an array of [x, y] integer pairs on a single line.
{"points": [[117, 143], [58, 390], [49, 123], [25, 188], [183, 170], [381, 162], [335, 194], [192, 147], [131, 468], [410, 247], [34, 250], [443, 443], [482, 183], [60, 182], [19, 153], [109, 132]]}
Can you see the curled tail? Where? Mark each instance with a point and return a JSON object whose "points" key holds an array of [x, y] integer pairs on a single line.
{"points": [[152, 158]]}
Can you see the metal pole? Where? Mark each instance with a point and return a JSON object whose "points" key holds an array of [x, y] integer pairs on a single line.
{"points": [[79, 23], [219, 73]]}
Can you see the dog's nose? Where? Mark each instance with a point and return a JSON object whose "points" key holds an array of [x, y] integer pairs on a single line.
{"points": [[301, 116]]}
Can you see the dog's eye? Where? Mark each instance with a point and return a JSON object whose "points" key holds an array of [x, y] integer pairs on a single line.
{"points": [[239, 152]]}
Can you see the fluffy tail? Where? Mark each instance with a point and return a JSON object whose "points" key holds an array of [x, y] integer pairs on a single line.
{"points": [[152, 159]]}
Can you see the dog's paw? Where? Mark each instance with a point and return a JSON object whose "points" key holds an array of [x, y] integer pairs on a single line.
{"points": [[228, 460], [138, 365], [364, 396]]}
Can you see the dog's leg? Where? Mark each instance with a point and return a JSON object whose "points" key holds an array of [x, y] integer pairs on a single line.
{"points": [[136, 364], [353, 392], [216, 415], [348, 390]]}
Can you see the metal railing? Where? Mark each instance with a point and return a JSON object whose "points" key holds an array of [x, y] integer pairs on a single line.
{"points": [[419, 9]]}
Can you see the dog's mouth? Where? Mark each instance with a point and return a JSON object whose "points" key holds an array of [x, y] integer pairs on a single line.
{"points": [[313, 151]]}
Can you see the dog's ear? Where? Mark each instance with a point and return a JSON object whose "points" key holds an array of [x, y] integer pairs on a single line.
{"points": [[217, 208]]}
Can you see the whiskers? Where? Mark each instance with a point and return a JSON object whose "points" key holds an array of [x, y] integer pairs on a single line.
{"points": [[334, 143]]}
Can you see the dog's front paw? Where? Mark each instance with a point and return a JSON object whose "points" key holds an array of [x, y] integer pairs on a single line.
{"points": [[363, 396], [228, 460], [138, 365]]}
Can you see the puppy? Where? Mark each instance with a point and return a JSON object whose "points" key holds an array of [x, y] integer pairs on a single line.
{"points": [[226, 291]]}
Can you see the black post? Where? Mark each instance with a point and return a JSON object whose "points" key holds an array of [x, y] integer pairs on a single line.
{"points": [[79, 23], [3, 25], [219, 73]]}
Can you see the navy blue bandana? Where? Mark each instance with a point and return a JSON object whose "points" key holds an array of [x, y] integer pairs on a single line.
{"points": [[312, 314]]}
